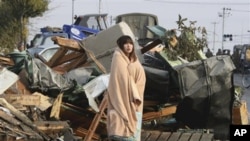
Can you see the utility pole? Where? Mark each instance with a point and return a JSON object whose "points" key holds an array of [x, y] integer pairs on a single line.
{"points": [[73, 11], [214, 23], [223, 24], [100, 2]]}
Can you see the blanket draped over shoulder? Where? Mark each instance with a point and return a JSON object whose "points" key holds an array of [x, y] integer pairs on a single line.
{"points": [[126, 88]]}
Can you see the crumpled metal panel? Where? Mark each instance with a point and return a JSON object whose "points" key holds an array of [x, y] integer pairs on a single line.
{"points": [[207, 94]]}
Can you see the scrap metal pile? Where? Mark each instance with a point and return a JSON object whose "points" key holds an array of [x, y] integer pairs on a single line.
{"points": [[63, 97]]}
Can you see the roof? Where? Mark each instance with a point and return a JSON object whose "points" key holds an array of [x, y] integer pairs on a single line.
{"points": [[138, 14]]}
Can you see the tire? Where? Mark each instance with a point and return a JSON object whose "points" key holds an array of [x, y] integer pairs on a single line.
{"points": [[246, 80]]}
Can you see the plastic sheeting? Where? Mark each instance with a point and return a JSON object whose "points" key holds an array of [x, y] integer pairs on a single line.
{"points": [[44, 79]]}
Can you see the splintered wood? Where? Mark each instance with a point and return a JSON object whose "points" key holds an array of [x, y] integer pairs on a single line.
{"points": [[240, 114]]}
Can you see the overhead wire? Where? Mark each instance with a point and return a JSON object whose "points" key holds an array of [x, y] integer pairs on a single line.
{"points": [[240, 10], [200, 3]]}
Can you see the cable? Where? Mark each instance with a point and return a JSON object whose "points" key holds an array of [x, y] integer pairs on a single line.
{"points": [[199, 3], [240, 10]]}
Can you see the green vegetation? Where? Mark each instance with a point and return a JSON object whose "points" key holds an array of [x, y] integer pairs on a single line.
{"points": [[188, 43], [14, 15]]}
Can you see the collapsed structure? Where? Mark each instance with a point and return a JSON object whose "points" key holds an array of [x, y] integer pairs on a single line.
{"points": [[63, 97]]}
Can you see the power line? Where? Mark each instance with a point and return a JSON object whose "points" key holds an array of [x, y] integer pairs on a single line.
{"points": [[199, 3], [240, 10], [241, 35]]}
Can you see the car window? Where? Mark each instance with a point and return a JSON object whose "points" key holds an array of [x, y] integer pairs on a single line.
{"points": [[102, 22], [92, 23], [48, 41], [48, 53], [37, 40]]}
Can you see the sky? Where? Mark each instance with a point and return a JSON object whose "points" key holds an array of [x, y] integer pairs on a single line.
{"points": [[207, 13]]}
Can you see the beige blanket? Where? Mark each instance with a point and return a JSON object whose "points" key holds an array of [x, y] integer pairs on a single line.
{"points": [[125, 95]]}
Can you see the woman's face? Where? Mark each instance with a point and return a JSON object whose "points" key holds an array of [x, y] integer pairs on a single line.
{"points": [[128, 48]]}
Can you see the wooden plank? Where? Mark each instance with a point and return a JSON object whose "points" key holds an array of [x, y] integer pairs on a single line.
{"points": [[163, 112], [27, 100], [21, 116], [57, 57], [185, 136], [150, 103], [164, 136], [71, 56], [75, 63], [168, 110], [97, 119], [31, 133], [51, 126], [83, 132], [45, 101], [240, 114], [145, 135], [67, 43], [175, 136], [6, 61], [9, 118], [195, 137], [207, 137], [8, 128], [153, 136]]}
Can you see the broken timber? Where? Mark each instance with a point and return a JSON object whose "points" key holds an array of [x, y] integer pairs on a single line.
{"points": [[175, 136], [80, 47], [6, 61], [161, 113]]}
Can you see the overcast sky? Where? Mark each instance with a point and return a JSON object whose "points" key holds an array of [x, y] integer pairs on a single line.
{"points": [[205, 12]]}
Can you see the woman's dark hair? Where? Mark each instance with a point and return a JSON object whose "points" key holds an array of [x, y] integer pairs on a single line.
{"points": [[124, 40]]}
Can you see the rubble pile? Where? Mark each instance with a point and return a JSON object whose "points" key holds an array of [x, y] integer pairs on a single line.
{"points": [[63, 97]]}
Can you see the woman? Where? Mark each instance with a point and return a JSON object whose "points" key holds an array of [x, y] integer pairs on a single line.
{"points": [[125, 93]]}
